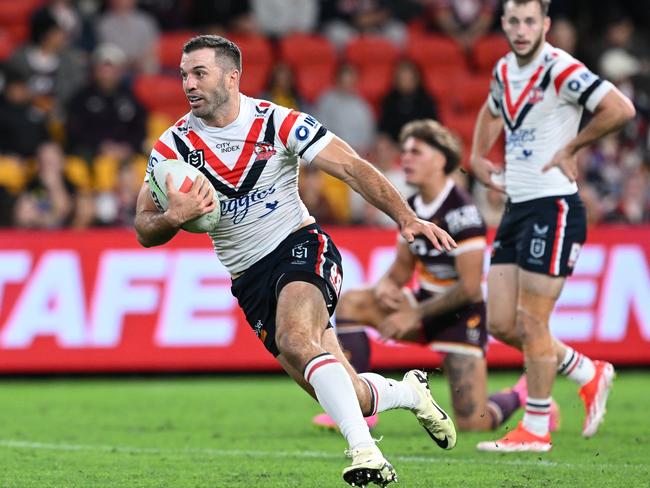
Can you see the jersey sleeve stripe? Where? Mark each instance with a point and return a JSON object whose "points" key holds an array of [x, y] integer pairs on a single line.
{"points": [[564, 75], [471, 244], [164, 149], [319, 134], [286, 126], [587, 93]]}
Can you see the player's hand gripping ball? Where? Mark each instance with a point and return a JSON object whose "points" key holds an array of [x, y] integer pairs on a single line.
{"points": [[183, 176]]}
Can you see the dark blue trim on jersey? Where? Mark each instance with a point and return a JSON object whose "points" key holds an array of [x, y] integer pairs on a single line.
{"points": [[587, 93], [524, 111], [251, 178], [319, 134]]}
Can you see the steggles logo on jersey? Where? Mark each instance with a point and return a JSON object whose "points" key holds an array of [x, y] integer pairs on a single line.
{"points": [[237, 208]]}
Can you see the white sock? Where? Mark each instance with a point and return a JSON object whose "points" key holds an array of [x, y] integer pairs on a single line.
{"points": [[387, 394], [577, 367], [537, 415], [335, 393]]}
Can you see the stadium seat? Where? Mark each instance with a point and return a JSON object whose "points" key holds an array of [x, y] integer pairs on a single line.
{"points": [[371, 51], [161, 93], [487, 50], [375, 59], [313, 61], [313, 81], [299, 50], [438, 84], [257, 61], [7, 44], [375, 82], [463, 126], [17, 12], [469, 93], [170, 47], [434, 52]]}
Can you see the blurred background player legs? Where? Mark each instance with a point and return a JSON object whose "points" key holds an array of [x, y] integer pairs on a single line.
{"points": [[467, 373], [516, 317]]}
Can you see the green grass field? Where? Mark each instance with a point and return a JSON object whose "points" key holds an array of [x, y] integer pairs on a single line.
{"points": [[250, 431]]}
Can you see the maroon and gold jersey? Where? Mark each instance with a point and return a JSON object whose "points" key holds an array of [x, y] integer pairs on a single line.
{"points": [[453, 211]]}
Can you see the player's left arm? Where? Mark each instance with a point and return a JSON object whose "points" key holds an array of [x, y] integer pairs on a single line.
{"points": [[406, 322], [338, 159], [611, 113]]}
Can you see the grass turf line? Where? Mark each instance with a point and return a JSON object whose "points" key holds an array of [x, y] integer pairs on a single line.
{"points": [[255, 431]]}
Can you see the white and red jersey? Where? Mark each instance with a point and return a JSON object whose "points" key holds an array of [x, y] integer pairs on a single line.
{"points": [[541, 104], [252, 164]]}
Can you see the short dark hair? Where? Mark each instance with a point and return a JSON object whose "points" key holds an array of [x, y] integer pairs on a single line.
{"points": [[222, 47], [437, 136], [543, 4]]}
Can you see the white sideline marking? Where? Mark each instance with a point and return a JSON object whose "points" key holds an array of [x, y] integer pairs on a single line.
{"points": [[17, 444]]}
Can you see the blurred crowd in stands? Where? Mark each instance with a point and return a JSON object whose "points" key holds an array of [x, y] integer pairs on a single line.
{"points": [[88, 85]]}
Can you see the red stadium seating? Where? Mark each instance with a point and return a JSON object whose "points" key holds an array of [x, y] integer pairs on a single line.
{"points": [[162, 94], [312, 81], [17, 11], [371, 50], [433, 52], [14, 18], [170, 48], [306, 49], [313, 61], [469, 93], [375, 59], [487, 51], [257, 61], [6, 45]]}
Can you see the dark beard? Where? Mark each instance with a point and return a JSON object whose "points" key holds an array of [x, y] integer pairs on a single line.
{"points": [[219, 99]]}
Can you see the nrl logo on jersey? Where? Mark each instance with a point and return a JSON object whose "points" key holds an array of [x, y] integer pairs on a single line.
{"points": [[263, 150], [196, 158]]}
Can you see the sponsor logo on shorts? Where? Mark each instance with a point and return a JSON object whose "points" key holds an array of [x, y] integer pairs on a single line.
{"points": [[539, 230]]}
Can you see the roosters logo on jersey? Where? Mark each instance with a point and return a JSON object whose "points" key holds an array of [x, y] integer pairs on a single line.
{"points": [[263, 150], [536, 95]]}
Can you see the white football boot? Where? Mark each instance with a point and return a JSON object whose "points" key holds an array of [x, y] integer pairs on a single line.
{"points": [[368, 466], [434, 419]]}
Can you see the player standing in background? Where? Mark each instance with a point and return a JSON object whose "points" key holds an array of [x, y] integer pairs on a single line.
{"points": [[286, 272], [447, 312], [539, 92]]}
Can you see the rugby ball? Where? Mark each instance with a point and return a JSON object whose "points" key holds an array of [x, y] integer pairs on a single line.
{"points": [[183, 176]]}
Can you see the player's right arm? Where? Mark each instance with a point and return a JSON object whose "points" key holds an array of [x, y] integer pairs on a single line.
{"points": [[388, 290], [154, 228], [486, 132]]}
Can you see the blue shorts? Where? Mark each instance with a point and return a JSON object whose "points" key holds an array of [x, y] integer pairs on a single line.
{"points": [[543, 235], [306, 255]]}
